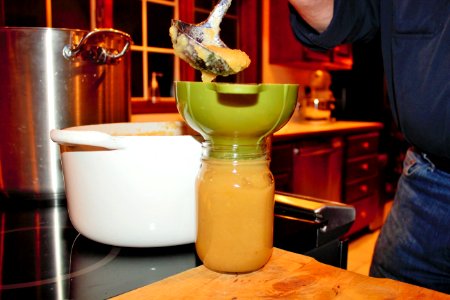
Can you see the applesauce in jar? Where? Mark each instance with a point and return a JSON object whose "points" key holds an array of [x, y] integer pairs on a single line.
{"points": [[235, 208]]}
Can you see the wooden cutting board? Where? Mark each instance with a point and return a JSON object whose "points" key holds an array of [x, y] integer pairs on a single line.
{"points": [[286, 276]]}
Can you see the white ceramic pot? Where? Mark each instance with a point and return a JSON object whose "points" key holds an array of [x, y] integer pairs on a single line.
{"points": [[126, 188]]}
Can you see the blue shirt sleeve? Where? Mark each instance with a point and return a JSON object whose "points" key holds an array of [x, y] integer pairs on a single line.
{"points": [[353, 20]]}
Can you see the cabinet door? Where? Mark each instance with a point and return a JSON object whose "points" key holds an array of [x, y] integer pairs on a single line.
{"points": [[361, 188], [317, 169], [362, 144], [286, 49], [366, 210], [361, 167]]}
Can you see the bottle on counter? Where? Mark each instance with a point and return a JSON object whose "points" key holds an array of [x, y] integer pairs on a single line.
{"points": [[154, 87]]}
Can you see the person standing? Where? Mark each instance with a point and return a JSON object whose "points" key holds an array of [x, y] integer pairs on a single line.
{"points": [[414, 243]]}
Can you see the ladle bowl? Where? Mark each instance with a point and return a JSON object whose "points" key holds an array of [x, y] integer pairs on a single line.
{"points": [[191, 41], [235, 114]]}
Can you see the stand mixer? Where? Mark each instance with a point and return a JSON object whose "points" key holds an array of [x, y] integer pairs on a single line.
{"points": [[235, 188]]}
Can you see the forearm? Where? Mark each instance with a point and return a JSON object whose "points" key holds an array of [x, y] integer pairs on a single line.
{"points": [[317, 13]]}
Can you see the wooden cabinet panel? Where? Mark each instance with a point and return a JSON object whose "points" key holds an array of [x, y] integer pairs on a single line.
{"points": [[362, 144], [362, 178], [317, 170], [312, 166], [366, 210], [361, 188], [362, 167], [286, 49]]}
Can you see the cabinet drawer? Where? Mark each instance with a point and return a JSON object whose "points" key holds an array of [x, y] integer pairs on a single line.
{"points": [[359, 168], [365, 214], [364, 144], [360, 189]]}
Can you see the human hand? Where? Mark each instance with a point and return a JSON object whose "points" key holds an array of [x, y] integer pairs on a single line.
{"points": [[317, 13]]}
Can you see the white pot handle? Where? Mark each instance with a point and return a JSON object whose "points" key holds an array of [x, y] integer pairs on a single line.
{"points": [[86, 138]]}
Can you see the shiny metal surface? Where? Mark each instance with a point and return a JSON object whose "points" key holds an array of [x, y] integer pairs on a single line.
{"points": [[98, 54], [41, 90], [43, 257]]}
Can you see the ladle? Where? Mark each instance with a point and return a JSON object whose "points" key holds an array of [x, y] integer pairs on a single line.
{"points": [[199, 36]]}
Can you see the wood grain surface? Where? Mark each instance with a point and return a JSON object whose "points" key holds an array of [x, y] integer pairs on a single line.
{"points": [[286, 276]]}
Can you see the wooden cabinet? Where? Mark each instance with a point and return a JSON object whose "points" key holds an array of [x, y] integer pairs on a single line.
{"points": [[339, 167], [317, 167], [285, 49], [361, 178]]}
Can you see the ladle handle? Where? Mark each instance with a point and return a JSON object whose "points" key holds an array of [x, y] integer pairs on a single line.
{"points": [[216, 16]]}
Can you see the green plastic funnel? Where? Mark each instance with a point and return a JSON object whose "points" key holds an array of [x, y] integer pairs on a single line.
{"points": [[235, 114]]}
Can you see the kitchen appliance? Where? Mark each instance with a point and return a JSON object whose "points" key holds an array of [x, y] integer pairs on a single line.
{"points": [[318, 101], [316, 109], [44, 257], [54, 78], [131, 184], [313, 227]]}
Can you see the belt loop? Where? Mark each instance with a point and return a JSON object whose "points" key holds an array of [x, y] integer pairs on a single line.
{"points": [[441, 163]]}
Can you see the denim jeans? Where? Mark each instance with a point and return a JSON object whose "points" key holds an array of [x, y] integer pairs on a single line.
{"points": [[414, 243]]}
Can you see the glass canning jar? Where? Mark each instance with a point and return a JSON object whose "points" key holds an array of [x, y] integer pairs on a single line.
{"points": [[235, 208]]}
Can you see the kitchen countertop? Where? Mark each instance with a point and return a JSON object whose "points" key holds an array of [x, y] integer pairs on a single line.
{"points": [[286, 276], [303, 127], [293, 128], [296, 128]]}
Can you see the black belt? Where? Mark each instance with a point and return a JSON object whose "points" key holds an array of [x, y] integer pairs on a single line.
{"points": [[442, 163]]}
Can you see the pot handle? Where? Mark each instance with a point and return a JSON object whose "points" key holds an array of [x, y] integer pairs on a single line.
{"points": [[96, 53], [86, 138]]}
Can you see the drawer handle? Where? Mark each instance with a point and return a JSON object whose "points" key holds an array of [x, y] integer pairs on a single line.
{"points": [[364, 166], [365, 145], [364, 188]]}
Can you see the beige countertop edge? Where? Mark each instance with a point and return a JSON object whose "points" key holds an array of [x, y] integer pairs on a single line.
{"points": [[300, 129], [293, 128]]}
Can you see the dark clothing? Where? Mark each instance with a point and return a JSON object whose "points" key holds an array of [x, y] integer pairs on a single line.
{"points": [[415, 37], [414, 243]]}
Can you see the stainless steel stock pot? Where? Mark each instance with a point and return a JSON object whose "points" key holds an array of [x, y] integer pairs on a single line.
{"points": [[54, 78]]}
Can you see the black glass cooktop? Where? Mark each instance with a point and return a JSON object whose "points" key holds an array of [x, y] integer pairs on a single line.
{"points": [[43, 257]]}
